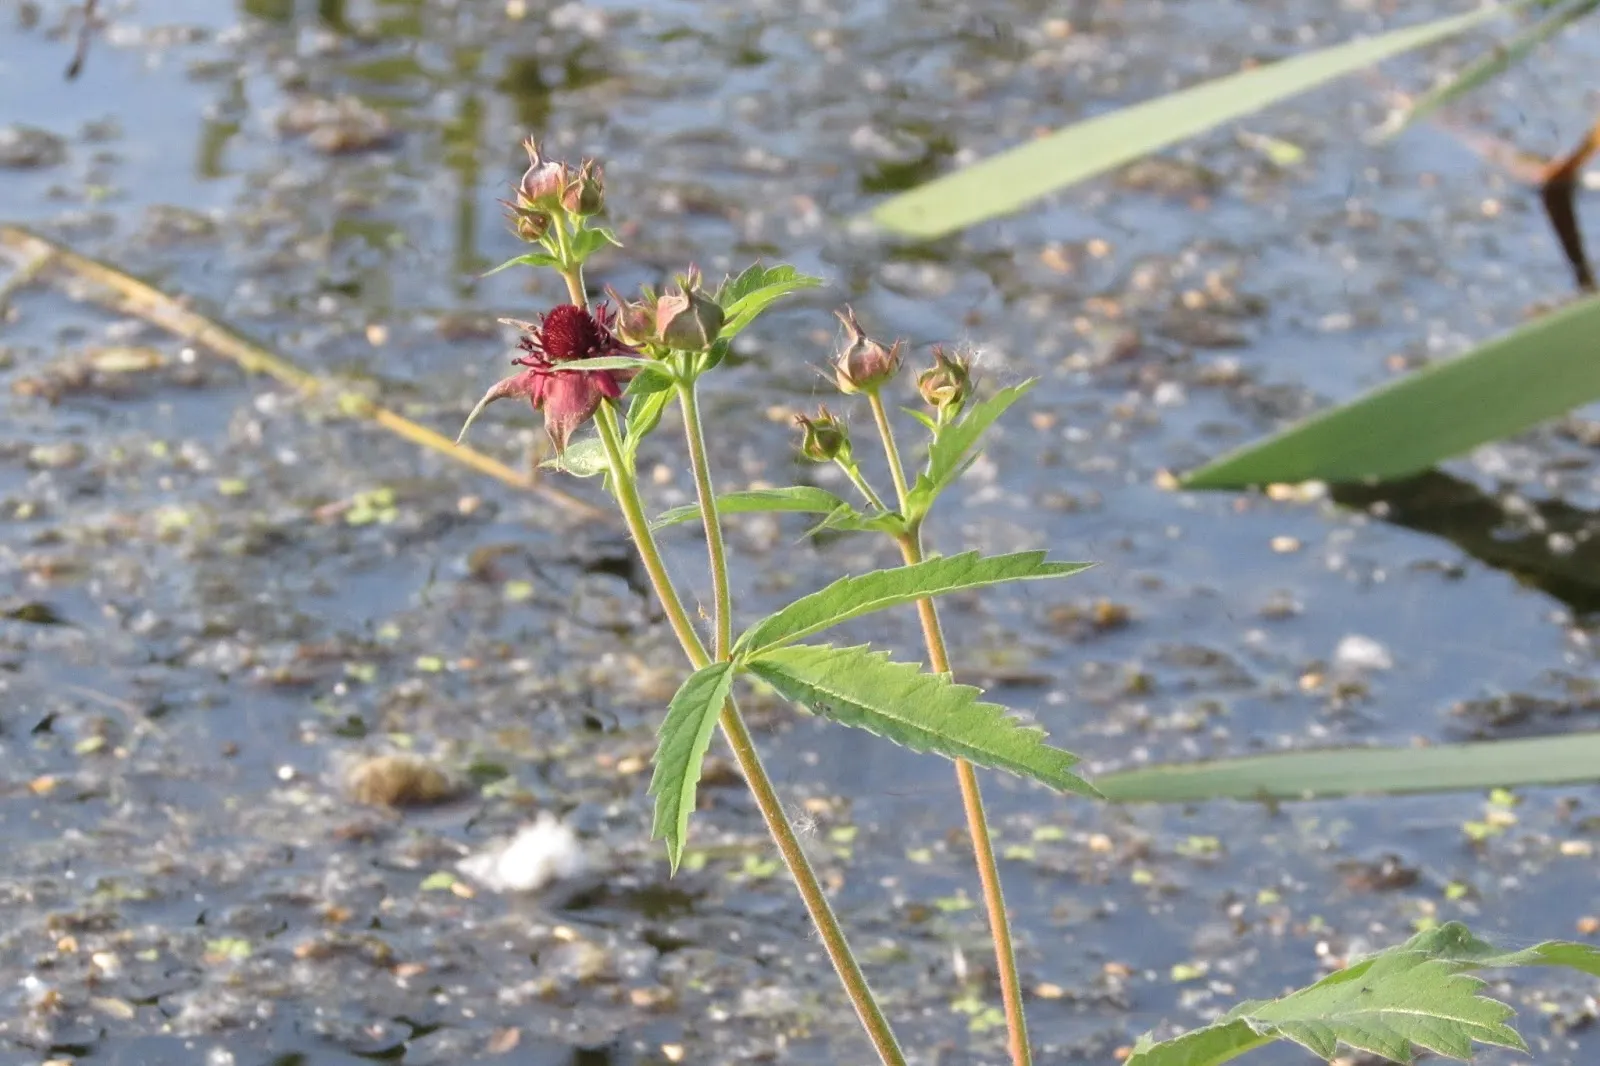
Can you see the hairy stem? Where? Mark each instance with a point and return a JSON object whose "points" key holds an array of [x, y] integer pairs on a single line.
{"points": [[853, 472], [715, 547], [886, 431], [994, 901], [744, 751]]}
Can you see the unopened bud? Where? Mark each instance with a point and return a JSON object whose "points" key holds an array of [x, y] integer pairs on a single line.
{"points": [[585, 193], [864, 364], [945, 385], [529, 225], [636, 319], [824, 437], [688, 319], [543, 182]]}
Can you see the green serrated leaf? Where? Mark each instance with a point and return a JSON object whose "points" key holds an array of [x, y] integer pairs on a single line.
{"points": [[684, 736], [736, 288], [1455, 944], [804, 499], [586, 242], [536, 259], [1385, 1005], [745, 297], [948, 454], [583, 458], [852, 597], [846, 519], [924, 712]]}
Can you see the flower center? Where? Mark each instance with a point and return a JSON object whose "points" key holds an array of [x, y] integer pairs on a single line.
{"points": [[569, 333]]}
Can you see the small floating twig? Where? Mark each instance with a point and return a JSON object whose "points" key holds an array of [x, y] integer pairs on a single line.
{"points": [[128, 294], [85, 32]]}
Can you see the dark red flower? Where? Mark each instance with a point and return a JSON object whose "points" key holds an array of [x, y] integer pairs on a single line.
{"points": [[567, 398]]}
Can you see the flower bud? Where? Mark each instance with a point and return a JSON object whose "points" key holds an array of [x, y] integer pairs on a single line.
{"points": [[945, 385], [585, 192], [864, 364], [543, 182], [688, 319], [824, 437], [636, 320], [529, 225]]}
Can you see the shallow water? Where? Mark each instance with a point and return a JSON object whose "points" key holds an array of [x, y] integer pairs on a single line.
{"points": [[188, 881]]}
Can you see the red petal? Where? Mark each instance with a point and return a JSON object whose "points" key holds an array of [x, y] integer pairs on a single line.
{"points": [[570, 400]]}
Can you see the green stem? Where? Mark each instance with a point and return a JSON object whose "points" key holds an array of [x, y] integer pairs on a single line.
{"points": [[744, 752], [571, 273], [853, 472], [966, 777], [886, 431], [715, 547], [994, 899]]}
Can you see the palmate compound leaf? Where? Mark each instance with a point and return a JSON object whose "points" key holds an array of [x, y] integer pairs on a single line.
{"points": [[684, 736], [1386, 1005], [851, 597], [803, 499], [922, 711], [948, 454]]}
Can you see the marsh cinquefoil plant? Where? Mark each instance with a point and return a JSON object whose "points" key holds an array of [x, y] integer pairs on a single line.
{"points": [[620, 365]]}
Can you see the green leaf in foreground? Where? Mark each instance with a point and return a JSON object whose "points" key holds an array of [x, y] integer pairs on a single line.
{"points": [[1454, 943], [684, 736], [803, 499], [1490, 66], [948, 454], [1385, 1005], [852, 597], [1014, 178], [924, 712], [746, 296], [1294, 775], [1510, 384]]}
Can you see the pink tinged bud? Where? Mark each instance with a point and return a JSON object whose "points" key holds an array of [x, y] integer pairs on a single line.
{"points": [[527, 223], [585, 192], [863, 365], [636, 320], [824, 438], [543, 182], [567, 398], [687, 319], [946, 384]]}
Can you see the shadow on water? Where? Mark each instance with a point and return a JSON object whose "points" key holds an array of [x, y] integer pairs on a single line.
{"points": [[1548, 546]]}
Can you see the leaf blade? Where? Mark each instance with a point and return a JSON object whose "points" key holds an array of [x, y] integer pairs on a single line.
{"points": [[948, 454], [852, 597], [1385, 1004], [683, 740], [918, 710], [1500, 388], [797, 499], [1293, 775], [1010, 180], [756, 289]]}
